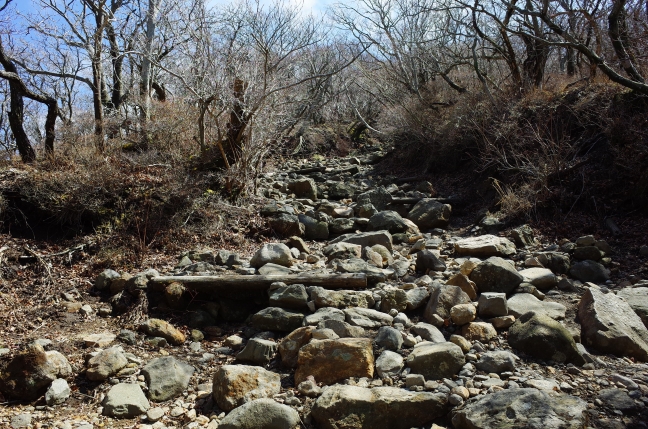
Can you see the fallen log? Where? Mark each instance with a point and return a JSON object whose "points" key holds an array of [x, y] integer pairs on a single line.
{"points": [[258, 282]]}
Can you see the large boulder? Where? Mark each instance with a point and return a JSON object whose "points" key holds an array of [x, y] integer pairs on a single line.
{"points": [[235, 385], [443, 299], [436, 360], [314, 229], [485, 246], [291, 343], [125, 401], [522, 408], [353, 407], [304, 188], [541, 336], [275, 253], [341, 298], [428, 260], [429, 213], [342, 250], [106, 363], [388, 220], [287, 296], [286, 225], [542, 278], [322, 314], [367, 239], [492, 304], [522, 303], [28, 375], [609, 324], [332, 361], [378, 197], [637, 299], [276, 319], [167, 377], [261, 414], [590, 271], [496, 275]]}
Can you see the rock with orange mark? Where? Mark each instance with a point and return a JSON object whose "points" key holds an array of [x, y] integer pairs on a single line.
{"points": [[331, 361], [235, 385], [290, 345], [479, 331]]}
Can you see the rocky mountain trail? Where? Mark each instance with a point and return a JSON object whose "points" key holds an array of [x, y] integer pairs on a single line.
{"points": [[366, 309]]}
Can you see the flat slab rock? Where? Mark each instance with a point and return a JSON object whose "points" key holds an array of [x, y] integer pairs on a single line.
{"points": [[609, 324], [484, 246], [522, 408], [522, 303], [353, 407]]}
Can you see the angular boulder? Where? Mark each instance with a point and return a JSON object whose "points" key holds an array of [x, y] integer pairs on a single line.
{"points": [[485, 246], [522, 303], [637, 299], [291, 343], [275, 253], [436, 361], [167, 377], [331, 361], [367, 239], [522, 408], [276, 319], [429, 213], [353, 407], [443, 299], [125, 401], [609, 324], [496, 275], [235, 385], [387, 220], [541, 336]]}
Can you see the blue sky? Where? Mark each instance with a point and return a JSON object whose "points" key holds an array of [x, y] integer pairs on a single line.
{"points": [[317, 7]]}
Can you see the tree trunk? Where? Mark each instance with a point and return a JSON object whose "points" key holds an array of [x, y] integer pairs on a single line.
{"points": [[145, 82], [616, 21]]}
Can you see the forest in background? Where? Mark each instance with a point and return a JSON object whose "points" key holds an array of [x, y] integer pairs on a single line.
{"points": [[146, 115]]}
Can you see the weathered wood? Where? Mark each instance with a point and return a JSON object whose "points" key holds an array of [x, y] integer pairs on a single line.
{"points": [[257, 282]]}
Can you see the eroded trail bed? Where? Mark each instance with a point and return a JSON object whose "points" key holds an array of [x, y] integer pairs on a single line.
{"points": [[368, 309]]}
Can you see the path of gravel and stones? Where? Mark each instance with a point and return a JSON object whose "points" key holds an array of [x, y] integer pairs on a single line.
{"points": [[478, 330]]}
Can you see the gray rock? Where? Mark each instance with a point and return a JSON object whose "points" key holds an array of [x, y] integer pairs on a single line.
{"points": [[322, 314], [288, 296], [428, 260], [154, 414], [485, 246], [235, 385], [276, 319], [436, 361], [367, 318], [521, 408], [443, 299], [496, 361], [274, 270], [342, 329], [367, 239], [609, 325], [492, 304], [541, 336], [167, 377], [416, 297], [105, 278], [522, 303], [21, 421], [125, 401], [258, 351], [618, 399], [393, 299], [342, 226], [387, 220], [354, 407], [496, 275], [637, 299], [557, 262], [389, 364], [261, 414], [276, 253], [378, 197], [542, 278], [286, 225], [429, 213], [340, 190], [342, 251], [106, 363], [340, 298], [428, 332], [590, 271], [374, 274], [389, 338], [523, 236], [304, 188], [314, 229], [57, 393]]}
